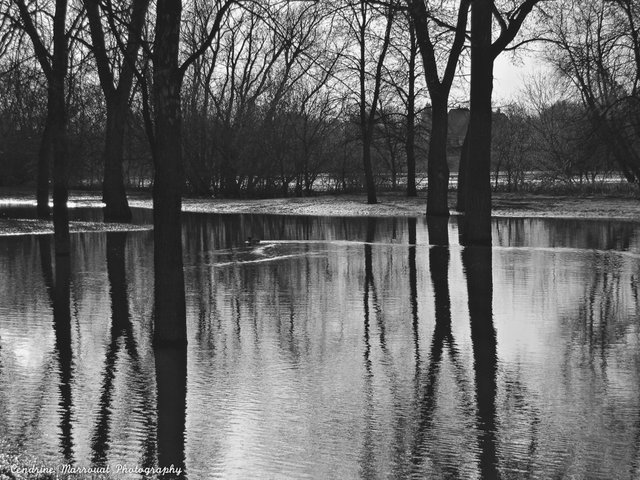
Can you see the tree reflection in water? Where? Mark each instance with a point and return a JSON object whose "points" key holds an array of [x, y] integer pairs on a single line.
{"points": [[367, 460], [120, 328], [427, 396], [58, 285], [171, 381], [319, 356], [121, 337], [413, 292], [478, 269]]}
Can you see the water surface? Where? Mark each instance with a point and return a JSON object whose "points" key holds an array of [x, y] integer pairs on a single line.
{"points": [[334, 348]]}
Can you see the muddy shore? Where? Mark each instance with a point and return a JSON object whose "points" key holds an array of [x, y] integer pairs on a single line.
{"points": [[393, 204]]}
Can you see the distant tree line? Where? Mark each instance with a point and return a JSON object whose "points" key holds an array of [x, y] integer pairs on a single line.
{"points": [[538, 142], [274, 105]]}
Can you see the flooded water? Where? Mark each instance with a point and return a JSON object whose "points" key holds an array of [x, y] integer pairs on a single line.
{"points": [[334, 348]]}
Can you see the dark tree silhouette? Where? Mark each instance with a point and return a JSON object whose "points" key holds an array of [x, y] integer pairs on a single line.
{"points": [[171, 382], [597, 48], [410, 141], [439, 90], [478, 269], [166, 141], [170, 316], [477, 220], [363, 14], [58, 286], [117, 100], [54, 139], [121, 333]]}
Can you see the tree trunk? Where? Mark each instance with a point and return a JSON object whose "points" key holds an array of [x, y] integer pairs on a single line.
{"points": [[45, 155], [438, 170], [368, 167], [438, 229], [60, 179], [229, 180], [113, 191], [60, 165], [58, 115], [463, 167], [410, 150], [170, 314], [477, 220], [411, 117], [117, 99]]}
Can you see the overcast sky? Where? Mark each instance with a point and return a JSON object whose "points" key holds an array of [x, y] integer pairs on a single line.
{"points": [[509, 75]]}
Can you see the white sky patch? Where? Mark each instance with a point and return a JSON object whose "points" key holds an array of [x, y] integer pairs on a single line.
{"points": [[511, 74]]}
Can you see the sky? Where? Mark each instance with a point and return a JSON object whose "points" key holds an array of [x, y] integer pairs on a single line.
{"points": [[509, 76]]}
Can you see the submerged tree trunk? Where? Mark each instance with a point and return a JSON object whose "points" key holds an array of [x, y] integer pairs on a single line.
{"points": [[170, 315], [439, 90], [113, 191], [117, 99], [60, 170], [54, 141], [463, 167], [438, 170], [438, 229], [58, 115], [45, 155], [477, 220]]}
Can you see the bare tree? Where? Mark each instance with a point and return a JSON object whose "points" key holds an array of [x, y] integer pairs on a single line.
{"points": [[439, 89], [597, 48], [512, 146], [54, 64], [477, 220], [405, 77], [370, 53], [116, 83]]}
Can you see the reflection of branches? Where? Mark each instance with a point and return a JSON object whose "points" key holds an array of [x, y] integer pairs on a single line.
{"points": [[438, 229], [438, 266], [121, 328], [599, 309], [44, 242], [517, 392]]}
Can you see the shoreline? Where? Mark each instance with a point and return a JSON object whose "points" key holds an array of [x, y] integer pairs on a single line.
{"points": [[515, 205]]}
